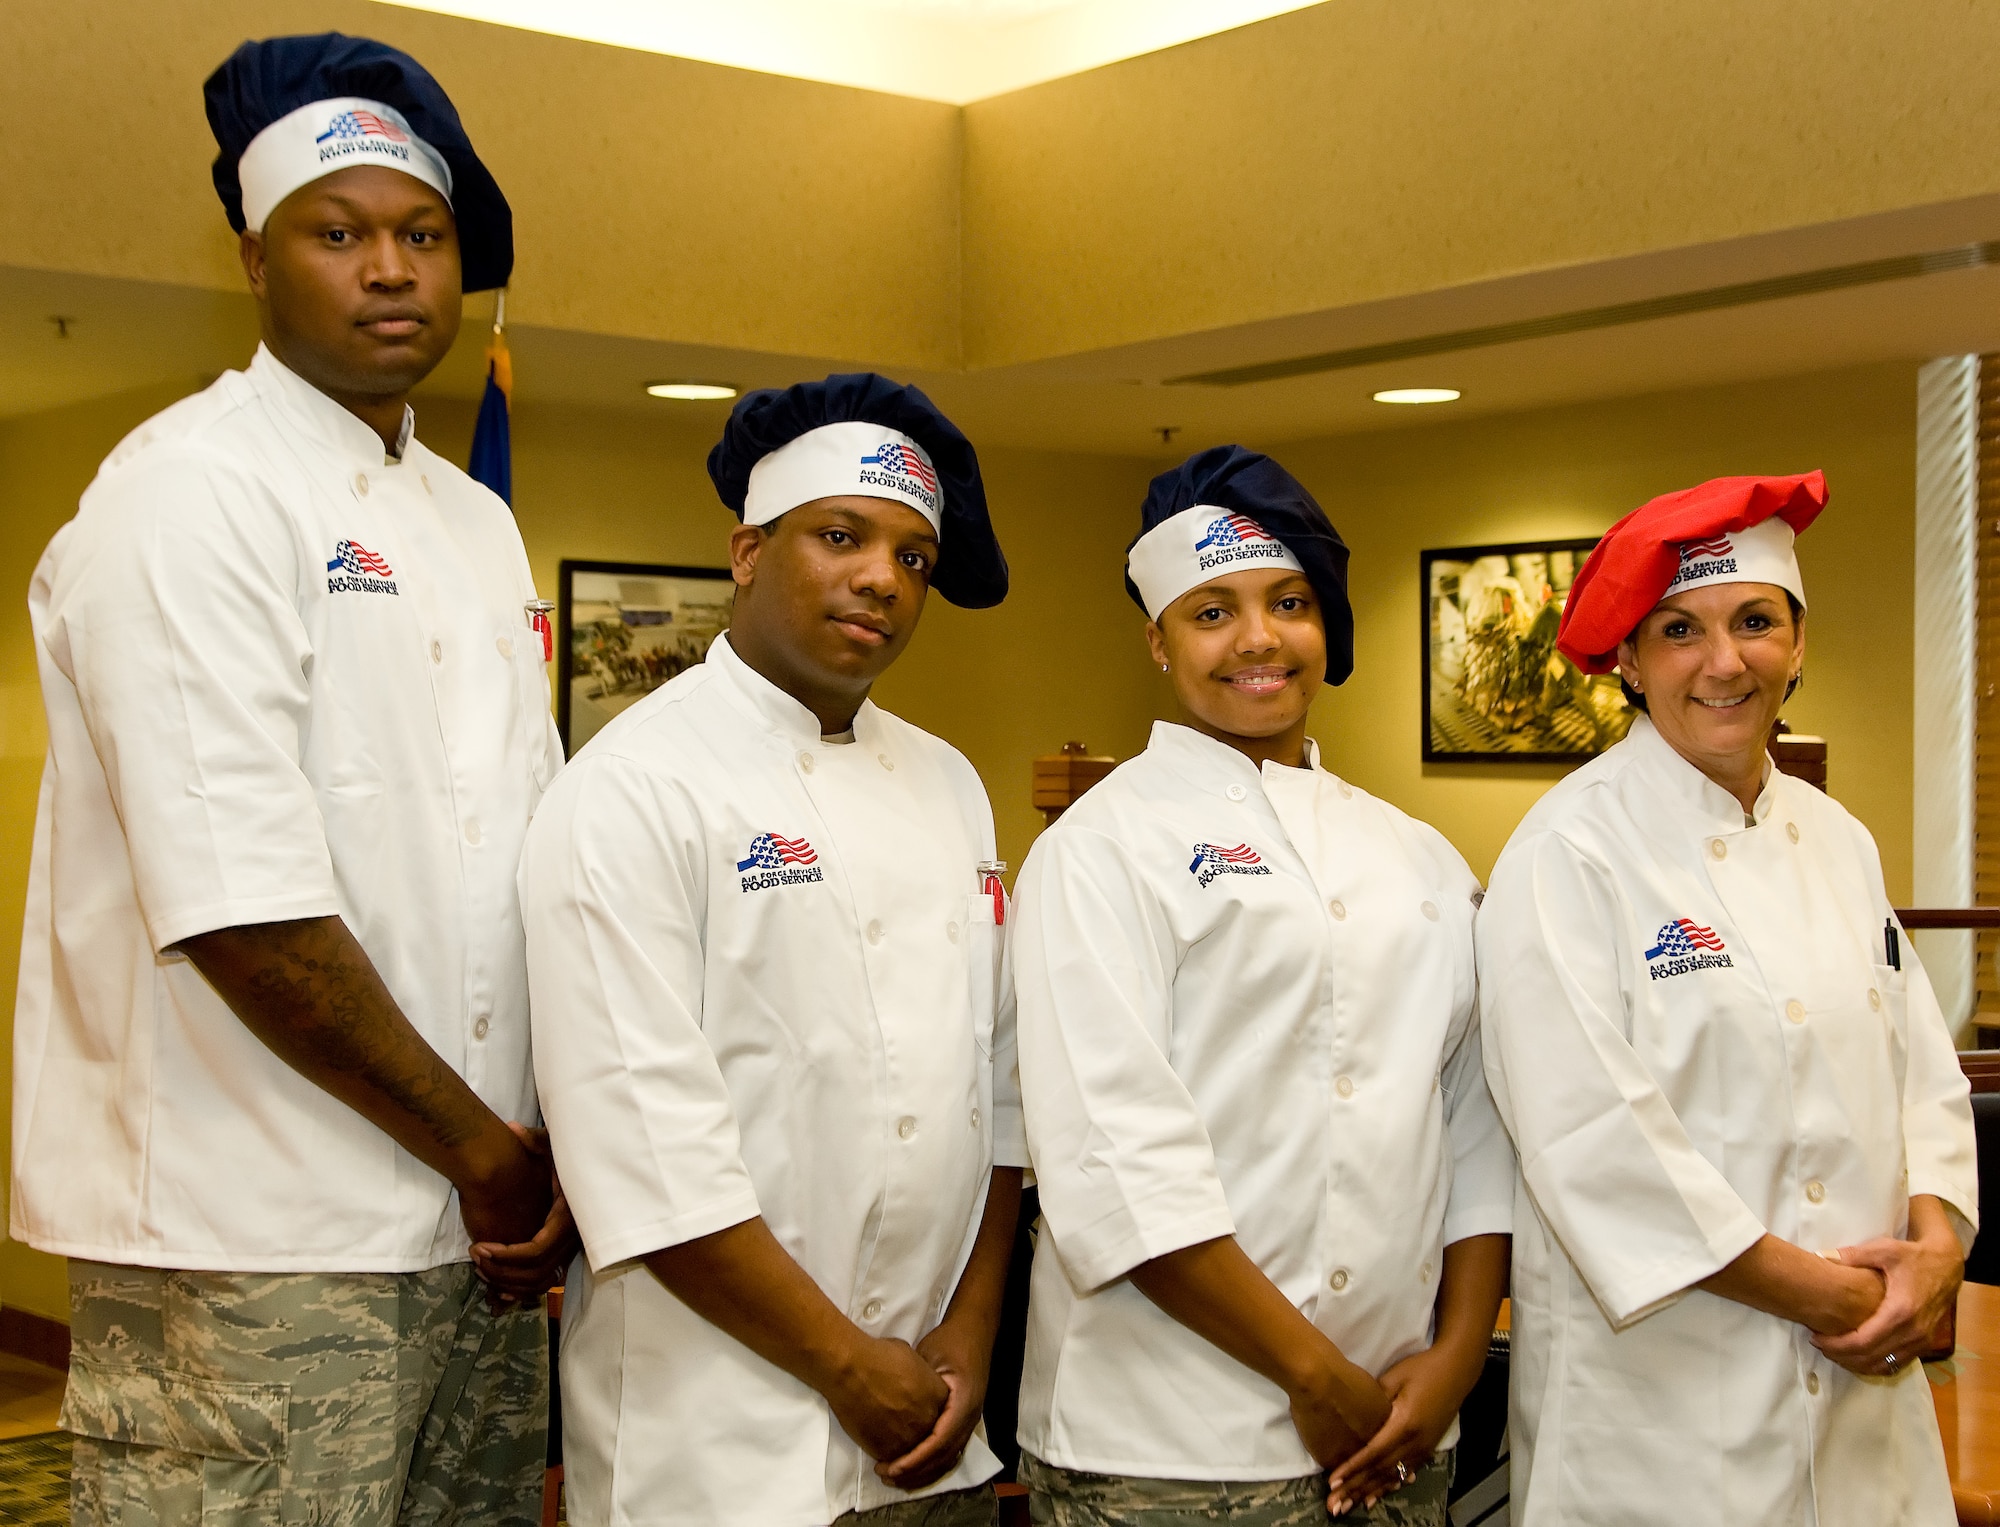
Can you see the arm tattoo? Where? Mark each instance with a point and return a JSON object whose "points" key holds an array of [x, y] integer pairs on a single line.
{"points": [[308, 990]]}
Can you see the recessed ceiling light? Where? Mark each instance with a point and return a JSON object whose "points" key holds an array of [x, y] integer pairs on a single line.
{"points": [[1418, 395], [691, 392]]}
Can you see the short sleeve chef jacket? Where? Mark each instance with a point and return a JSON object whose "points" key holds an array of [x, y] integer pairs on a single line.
{"points": [[765, 982], [1246, 1006], [1694, 1037], [285, 677]]}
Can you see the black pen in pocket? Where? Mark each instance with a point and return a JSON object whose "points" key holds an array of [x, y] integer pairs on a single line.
{"points": [[1892, 946]]}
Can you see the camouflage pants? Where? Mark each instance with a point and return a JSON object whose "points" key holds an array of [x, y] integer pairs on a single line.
{"points": [[302, 1400], [978, 1507], [1066, 1498]]}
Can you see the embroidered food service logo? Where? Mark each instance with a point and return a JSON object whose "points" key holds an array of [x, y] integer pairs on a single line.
{"points": [[1699, 559], [1211, 860], [1685, 945], [361, 570], [1233, 538], [905, 469], [777, 860], [365, 133]]}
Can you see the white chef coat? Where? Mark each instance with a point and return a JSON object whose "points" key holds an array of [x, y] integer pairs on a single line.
{"points": [[765, 982], [241, 733], [1694, 1039], [1246, 1007]]}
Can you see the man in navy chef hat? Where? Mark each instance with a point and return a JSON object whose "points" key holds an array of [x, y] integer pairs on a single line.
{"points": [[773, 1031], [272, 1084]]}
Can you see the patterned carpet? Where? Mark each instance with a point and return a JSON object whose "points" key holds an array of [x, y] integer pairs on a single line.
{"points": [[34, 1480]]}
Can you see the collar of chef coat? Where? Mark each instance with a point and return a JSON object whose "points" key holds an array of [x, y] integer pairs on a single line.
{"points": [[325, 420], [1682, 785], [1211, 765], [763, 702]]}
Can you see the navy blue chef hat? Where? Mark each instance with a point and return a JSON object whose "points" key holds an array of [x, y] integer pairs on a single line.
{"points": [[262, 83], [862, 434], [1226, 508]]}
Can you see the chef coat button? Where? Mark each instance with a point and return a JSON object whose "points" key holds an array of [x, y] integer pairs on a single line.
{"points": [[1792, 831], [951, 932], [905, 1128], [1816, 1191], [1812, 1383], [425, 479], [504, 646], [1345, 1086], [1236, 792], [1796, 1010], [1338, 1281], [1717, 849], [975, 1118], [1424, 1273], [361, 483], [437, 652], [472, 832], [1338, 909], [874, 932], [479, 1029], [1346, 790], [806, 762], [1875, 999], [1430, 910], [872, 1310], [886, 762]]}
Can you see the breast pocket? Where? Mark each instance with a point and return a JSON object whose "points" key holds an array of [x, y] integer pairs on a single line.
{"points": [[1889, 997], [983, 950], [531, 684]]}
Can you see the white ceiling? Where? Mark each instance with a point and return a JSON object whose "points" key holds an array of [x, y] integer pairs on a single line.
{"points": [[940, 50]]}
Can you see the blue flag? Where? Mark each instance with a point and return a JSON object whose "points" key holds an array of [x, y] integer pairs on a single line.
{"points": [[492, 460]]}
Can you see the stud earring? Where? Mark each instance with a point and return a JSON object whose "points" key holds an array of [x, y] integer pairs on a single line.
{"points": [[1163, 668]]}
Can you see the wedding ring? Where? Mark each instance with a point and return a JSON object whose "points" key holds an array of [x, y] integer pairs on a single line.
{"points": [[1403, 1474], [1891, 1361]]}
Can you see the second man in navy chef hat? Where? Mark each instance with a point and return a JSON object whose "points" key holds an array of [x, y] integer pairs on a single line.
{"points": [[1275, 1192], [772, 1031]]}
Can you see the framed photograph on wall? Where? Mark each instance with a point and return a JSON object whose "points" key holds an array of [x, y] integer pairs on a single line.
{"points": [[1495, 688], [625, 628]]}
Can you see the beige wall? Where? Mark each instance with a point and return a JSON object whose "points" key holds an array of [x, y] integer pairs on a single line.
{"points": [[1339, 154], [1063, 658], [1571, 472], [655, 197]]}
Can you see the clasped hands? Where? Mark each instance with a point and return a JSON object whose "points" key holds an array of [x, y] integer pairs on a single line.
{"points": [[1369, 1432], [1892, 1296], [914, 1409], [500, 1209]]}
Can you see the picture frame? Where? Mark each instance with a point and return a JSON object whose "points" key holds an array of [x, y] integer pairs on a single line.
{"points": [[1495, 690], [625, 628]]}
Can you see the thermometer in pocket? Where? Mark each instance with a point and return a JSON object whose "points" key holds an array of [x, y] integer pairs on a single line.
{"points": [[989, 872]]}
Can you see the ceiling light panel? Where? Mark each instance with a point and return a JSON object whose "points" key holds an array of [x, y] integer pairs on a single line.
{"points": [[939, 50]]}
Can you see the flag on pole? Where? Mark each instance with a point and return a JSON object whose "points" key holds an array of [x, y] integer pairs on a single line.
{"points": [[492, 460]]}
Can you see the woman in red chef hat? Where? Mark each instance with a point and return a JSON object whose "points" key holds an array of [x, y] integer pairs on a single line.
{"points": [[1744, 1136]]}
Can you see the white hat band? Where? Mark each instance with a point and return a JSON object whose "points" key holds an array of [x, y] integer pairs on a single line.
{"points": [[850, 459], [325, 136], [1188, 549], [1762, 554]]}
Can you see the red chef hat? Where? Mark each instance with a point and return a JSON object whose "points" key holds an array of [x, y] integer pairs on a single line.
{"points": [[1730, 530]]}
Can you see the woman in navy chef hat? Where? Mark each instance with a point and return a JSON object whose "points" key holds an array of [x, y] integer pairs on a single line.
{"points": [[1276, 1190]]}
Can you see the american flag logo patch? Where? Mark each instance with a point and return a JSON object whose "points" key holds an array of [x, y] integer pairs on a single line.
{"points": [[903, 461], [1232, 530], [1211, 860], [357, 559], [1685, 945], [775, 860], [362, 124]]}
